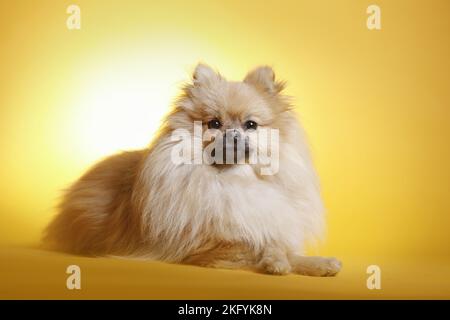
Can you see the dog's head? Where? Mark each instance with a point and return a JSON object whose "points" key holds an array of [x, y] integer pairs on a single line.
{"points": [[232, 112]]}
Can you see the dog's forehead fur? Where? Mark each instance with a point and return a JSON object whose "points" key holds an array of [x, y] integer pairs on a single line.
{"points": [[231, 101]]}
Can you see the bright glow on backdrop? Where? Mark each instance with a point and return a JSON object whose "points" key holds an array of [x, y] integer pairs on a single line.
{"points": [[374, 103]]}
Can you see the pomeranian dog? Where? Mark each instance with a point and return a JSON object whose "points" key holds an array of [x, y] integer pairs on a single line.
{"points": [[215, 210]]}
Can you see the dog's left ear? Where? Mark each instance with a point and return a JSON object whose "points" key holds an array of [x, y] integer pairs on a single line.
{"points": [[263, 78]]}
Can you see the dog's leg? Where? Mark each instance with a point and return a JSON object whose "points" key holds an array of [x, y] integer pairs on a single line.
{"points": [[314, 266], [274, 260], [224, 256]]}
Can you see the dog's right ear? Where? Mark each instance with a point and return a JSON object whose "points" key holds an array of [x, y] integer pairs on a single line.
{"points": [[202, 79], [204, 75]]}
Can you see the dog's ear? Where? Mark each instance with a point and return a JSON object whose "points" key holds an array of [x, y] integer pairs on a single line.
{"points": [[263, 78], [204, 75]]}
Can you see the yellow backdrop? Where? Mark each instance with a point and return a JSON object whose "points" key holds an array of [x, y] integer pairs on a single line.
{"points": [[375, 103]]}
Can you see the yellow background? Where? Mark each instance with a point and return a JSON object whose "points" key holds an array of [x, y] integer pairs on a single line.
{"points": [[375, 104]]}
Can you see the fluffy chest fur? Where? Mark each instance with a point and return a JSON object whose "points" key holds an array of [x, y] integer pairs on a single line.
{"points": [[187, 205]]}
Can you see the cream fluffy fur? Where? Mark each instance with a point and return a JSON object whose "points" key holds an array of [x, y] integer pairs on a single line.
{"points": [[140, 204]]}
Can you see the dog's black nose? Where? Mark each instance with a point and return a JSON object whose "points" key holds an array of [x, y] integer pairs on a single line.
{"points": [[232, 136]]}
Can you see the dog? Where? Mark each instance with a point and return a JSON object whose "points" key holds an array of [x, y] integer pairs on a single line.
{"points": [[212, 213]]}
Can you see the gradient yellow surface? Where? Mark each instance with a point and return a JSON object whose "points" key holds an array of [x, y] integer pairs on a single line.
{"points": [[375, 104]]}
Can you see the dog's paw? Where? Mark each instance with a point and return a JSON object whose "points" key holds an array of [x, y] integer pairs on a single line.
{"points": [[275, 267], [317, 266], [330, 267]]}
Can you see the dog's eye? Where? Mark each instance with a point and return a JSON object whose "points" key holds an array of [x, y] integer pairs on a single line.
{"points": [[251, 125], [214, 124]]}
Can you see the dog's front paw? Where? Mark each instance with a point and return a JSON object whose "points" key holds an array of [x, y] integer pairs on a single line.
{"points": [[317, 266], [275, 266], [330, 267]]}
